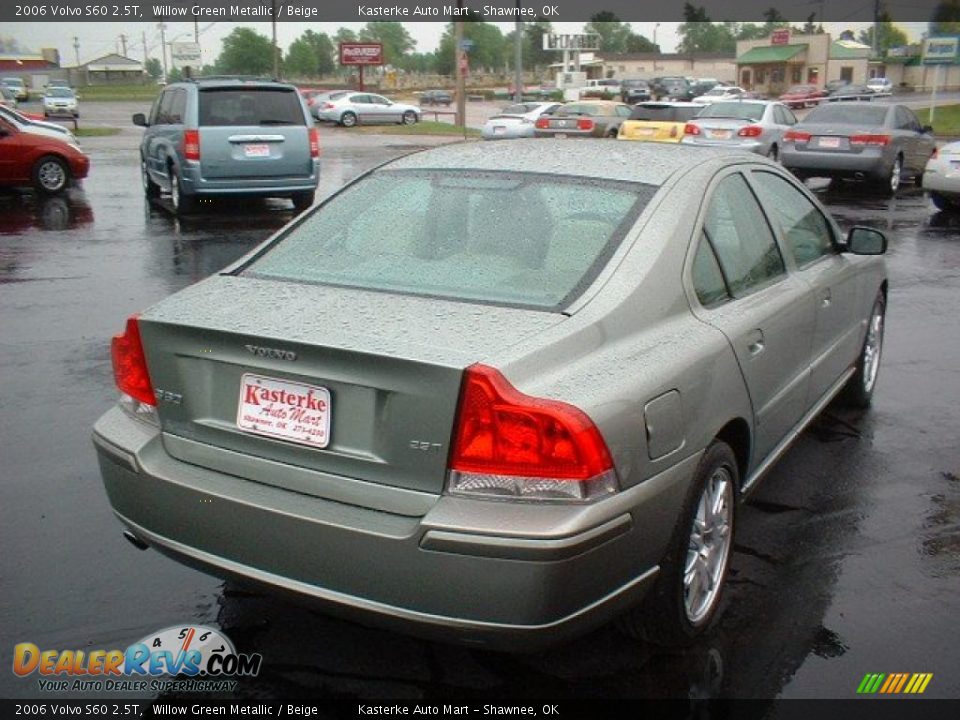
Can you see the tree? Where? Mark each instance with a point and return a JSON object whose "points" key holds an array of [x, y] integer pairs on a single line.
{"points": [[889, 35], [945, 19], [533, 53], [153, 67], [489, 48], [394, 37], [310, 55], [246, 52], [698, 34], [613, 33], [847, 35]]}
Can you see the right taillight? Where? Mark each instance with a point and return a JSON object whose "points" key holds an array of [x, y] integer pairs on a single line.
{"points": [[314, 143], [543, 123], [691, 129], [191, 144], [510, 445], [796, 136], [870, 139], [584, 124], [130, 364]]}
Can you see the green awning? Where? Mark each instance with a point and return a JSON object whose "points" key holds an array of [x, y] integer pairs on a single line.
{"points": [[770, 54]]}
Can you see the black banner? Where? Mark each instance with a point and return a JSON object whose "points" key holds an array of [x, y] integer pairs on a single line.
{"points": [[300, 11]]}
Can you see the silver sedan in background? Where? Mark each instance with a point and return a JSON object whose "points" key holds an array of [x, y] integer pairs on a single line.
{"points": [[879, 142], [516, 121], [941, 177], [362, 108], [754, 125]]}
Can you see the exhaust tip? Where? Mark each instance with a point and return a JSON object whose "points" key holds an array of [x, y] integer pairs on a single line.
{"points": [[135, 541], [859, 176]]}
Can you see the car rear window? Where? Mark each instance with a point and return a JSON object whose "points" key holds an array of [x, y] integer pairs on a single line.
{"points": [[250, 106], [518, 239], [857, 114], [663, 113], [738, 110]]}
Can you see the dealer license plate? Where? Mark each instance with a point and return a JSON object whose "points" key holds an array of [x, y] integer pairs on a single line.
{"points": [[259, 150], [284, 409], [499, 129], [721, 134], [829, 142]]}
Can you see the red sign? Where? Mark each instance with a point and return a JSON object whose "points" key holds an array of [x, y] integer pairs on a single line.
{"points": [[361, 54], [780, 37]]}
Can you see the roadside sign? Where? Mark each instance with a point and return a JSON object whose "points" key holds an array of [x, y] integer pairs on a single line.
{"points": [[565, 41], [361, 54], [185, 54], [940, 50], [780, 37], [466, 44]]}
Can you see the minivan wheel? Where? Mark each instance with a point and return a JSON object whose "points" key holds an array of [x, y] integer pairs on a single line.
{"points": [[302, 201], [409, 117], [694, 571], [348, 119], [50, 174], [150, 188], [858, 391], [182, 204]]}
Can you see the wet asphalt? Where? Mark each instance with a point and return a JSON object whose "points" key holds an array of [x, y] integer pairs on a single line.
{"points": [[847, 558]]}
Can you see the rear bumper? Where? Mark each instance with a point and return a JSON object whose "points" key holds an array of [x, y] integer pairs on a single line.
{"points": [[835, 164], [754, 146], [469, 571], [941, 178], [195, 184]]}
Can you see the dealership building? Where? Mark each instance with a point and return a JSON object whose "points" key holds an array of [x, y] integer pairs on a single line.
{"points": [[770, 65]]}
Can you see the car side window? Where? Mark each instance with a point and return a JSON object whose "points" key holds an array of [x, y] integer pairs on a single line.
{"points": [[360, 99], [741, 237], [906, 120], [378, 100], [178, 107], [623, 111], [802, 226], [708, 281], [166, 104], [155, 111]]}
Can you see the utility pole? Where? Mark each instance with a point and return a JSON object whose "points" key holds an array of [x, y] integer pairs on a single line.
{"points": [[196, 31], [458, 54], [76, 50], [163, 49], [876, 28], [518, 58], [276, 52], [123, 44]]}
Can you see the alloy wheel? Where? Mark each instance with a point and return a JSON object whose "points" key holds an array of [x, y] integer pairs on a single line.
{"points": [[708, 550]]}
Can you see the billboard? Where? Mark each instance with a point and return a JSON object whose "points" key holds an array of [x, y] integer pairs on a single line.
{"points": [[780, 37], [563, 41], [361, 54], [185, 54], [937, 50]]}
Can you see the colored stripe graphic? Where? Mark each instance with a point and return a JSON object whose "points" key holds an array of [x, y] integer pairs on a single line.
{"points": [[894, 683]]}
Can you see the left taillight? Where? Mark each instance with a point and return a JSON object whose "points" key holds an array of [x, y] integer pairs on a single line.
{"points": [[750, 131], [510, 445], [314, 143], [584, 124], [191, 144], [130, 364]]}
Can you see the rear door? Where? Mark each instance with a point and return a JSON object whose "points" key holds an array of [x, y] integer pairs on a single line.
{"points": [[252, 131], [765, 312], [383, 110]]}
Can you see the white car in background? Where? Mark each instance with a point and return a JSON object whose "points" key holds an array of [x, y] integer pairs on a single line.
{"points": [[37, 127], [516, 121], [880, 85], [941, 177], [365, 108], [60, 102], [721, 94]]}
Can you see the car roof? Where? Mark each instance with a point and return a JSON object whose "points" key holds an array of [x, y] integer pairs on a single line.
{"points": [[648, 163], [234, 82]]}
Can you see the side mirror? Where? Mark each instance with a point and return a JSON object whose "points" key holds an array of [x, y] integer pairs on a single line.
{"points": [[140, 119], [927, 129], [866, 241]]}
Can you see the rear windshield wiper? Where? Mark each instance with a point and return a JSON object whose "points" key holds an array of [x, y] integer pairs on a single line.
{"points": [[275, 122]]}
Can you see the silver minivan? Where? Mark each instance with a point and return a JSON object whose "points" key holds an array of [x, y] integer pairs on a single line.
{"points": [[229, 137]]}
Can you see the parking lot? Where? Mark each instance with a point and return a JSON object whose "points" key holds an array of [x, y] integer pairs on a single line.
{"points": [[847, 559]]}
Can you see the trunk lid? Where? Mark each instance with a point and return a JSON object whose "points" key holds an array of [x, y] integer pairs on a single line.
{"points": [[388, 366]]}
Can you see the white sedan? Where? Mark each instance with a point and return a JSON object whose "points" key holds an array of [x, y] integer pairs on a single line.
{"points": [[720, 94], [516, 121], [364, 108], [941, 177]]}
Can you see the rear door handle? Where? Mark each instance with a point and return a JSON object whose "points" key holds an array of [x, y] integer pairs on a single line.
{"points": [[755, 344], [826, 298]]}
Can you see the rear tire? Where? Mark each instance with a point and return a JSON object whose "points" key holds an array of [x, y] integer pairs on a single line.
{"points": [[348, 119], [858, 392], [890, 183], [51, 175], [943, 203], [302, 201], [689, 588], [182, 204]]}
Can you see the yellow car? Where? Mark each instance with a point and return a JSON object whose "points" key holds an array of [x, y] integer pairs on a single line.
{"points": [[658, 121]]}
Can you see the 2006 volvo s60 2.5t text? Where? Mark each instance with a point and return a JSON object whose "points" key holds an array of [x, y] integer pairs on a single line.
{"points": [[497, 393]]}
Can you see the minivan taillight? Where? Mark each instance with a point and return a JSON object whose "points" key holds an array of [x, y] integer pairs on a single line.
{"points": [[130, 364], [511, 445], [191, 144], [314, 143]]}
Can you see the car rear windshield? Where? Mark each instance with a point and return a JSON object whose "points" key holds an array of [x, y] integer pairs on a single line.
{"points": [[518, 239], [250, 106], [663, 113], [738, 110], [857, 114]]}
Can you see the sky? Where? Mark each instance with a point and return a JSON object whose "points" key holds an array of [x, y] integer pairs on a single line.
{"points": [[98, 39]]}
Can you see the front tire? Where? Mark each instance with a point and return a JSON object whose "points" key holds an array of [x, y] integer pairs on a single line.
{"points": [[150, 188], [50, 175], [694, 571], [348, 119], [774, 153], [858, 391]]}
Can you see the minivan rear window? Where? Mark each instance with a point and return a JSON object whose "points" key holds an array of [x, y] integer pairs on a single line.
{"points": [[247, 106]]}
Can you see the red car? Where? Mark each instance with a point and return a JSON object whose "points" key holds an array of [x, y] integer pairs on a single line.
{"points": [[800, 96], [46, 163]]}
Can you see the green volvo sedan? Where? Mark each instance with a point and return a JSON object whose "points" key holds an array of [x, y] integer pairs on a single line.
{"points": [[495, 393]]}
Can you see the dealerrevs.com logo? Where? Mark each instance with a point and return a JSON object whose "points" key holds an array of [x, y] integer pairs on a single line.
{"points": [[184, 657]]}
